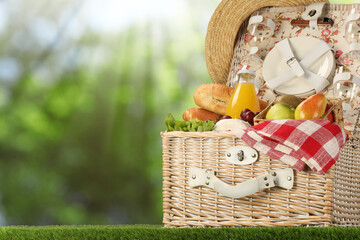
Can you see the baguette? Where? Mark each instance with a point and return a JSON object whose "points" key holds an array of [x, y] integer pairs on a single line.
{"points": [[199, 114], [213, 97]]}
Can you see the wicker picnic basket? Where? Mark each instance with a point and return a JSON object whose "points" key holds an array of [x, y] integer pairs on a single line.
{"points": [[314, 199], [308, 203]]}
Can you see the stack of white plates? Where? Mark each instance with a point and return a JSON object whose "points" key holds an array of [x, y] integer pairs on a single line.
{"points": [[275, 65]]}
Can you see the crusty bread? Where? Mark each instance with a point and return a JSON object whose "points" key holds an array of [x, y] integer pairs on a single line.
{"points": [[213, 97], [199, 114]]}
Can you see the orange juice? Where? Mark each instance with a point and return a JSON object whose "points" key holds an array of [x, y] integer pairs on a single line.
{"points": [[243, 97]]}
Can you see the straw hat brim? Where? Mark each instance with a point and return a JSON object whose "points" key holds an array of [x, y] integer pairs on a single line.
{"points": [[223, 29]]}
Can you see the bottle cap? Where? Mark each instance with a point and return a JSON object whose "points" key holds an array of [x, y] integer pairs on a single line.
{"points": [[246, 71]]}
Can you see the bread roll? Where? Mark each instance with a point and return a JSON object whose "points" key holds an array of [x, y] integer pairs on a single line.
{"points": [[213, 97], [199, 114]]}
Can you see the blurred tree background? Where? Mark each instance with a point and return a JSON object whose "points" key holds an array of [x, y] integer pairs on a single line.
{"points": [[85, 88]]}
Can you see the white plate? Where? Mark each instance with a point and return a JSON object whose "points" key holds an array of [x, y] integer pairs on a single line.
{"points": [[275, 65]]}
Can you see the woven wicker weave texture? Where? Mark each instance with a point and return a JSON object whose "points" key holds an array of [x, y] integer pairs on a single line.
{"points": [[347, 185], [224, 26], [308, 203]]}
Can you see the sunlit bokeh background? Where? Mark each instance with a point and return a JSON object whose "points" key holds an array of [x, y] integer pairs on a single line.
{"points": [[85, 86]]}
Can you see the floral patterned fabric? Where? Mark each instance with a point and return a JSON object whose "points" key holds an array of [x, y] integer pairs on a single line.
{"points": [[333, 35]]}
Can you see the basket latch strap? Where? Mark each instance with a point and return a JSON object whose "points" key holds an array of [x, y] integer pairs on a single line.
{"points": [[204, 177], [241, 155], [292, 62], [315, 80], [312, 13]]}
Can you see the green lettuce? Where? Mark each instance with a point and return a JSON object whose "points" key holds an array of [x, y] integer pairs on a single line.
{"points": [[187, 126]]}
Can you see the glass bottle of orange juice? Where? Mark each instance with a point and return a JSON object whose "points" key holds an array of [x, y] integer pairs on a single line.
{"points": [[244, 95]]}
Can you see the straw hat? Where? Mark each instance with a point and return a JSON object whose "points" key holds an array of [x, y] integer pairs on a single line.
{"points": [[224, 26]]}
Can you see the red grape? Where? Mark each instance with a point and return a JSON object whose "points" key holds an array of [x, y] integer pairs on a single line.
{"points": [[248, 116], [223, 117]]}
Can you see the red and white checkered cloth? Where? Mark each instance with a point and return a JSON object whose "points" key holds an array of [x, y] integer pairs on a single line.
{"points": [[315, 142]]}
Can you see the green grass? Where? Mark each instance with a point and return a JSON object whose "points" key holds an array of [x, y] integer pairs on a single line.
{"points": [[157, 232]]}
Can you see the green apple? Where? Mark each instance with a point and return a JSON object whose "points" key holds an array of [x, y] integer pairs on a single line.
{"points": [[281, 111]]}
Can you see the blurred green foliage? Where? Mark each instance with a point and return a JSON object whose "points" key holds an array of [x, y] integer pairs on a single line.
{"points": [[80, 142]]}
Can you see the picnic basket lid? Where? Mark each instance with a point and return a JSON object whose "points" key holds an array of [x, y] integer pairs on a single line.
{"points": [[223, 29]]}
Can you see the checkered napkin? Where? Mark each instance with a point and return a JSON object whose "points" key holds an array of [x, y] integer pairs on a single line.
{"points": [[315, 142]]}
